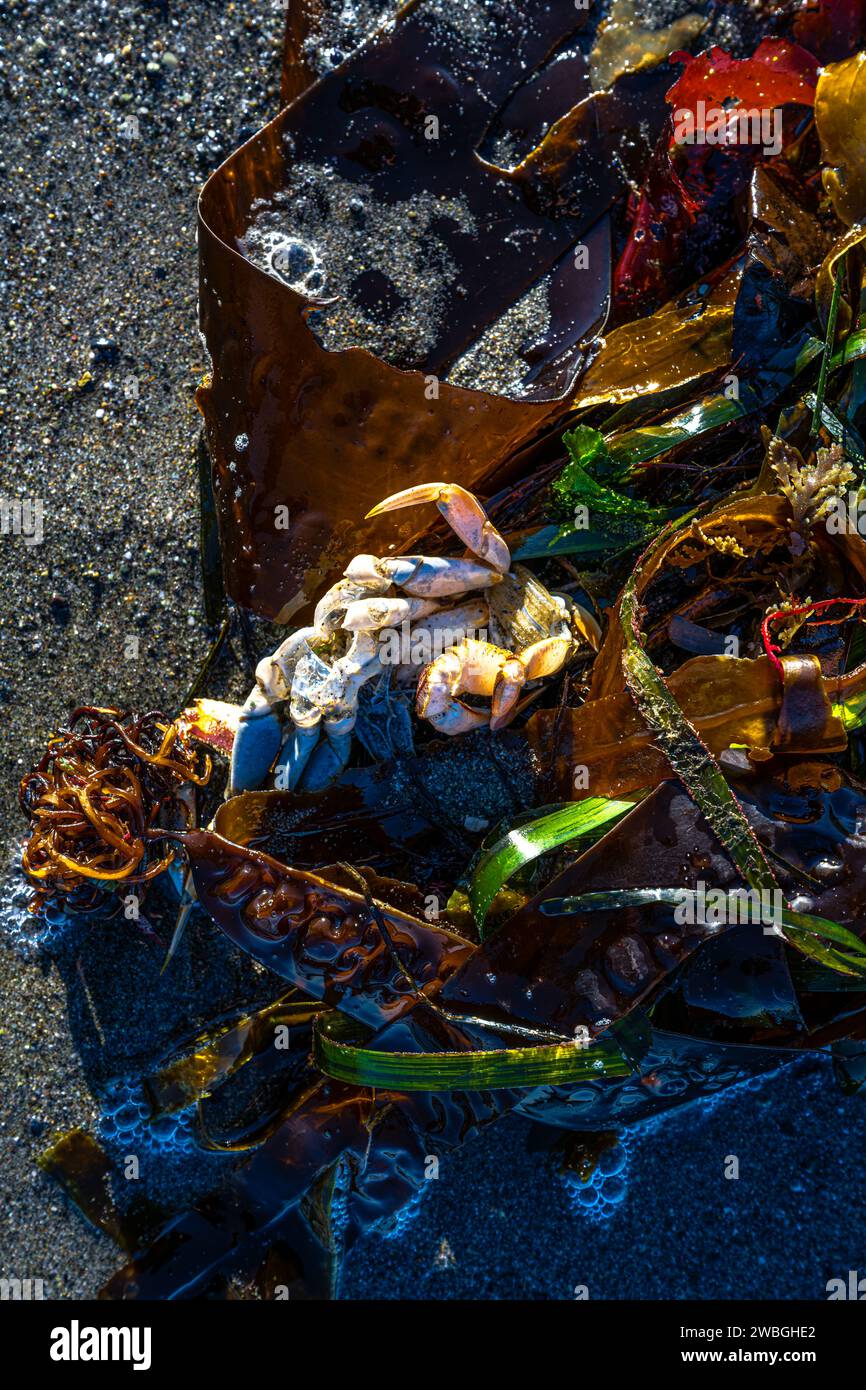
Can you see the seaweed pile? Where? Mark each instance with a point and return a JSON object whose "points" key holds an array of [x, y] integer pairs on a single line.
{"points": [[96, 798], [621, 860]]}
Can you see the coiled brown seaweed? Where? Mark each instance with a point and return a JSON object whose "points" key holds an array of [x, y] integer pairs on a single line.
{"points": [[96, 798]]}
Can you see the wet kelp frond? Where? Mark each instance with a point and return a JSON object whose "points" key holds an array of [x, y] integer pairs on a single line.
{"points": [[96, 797]]}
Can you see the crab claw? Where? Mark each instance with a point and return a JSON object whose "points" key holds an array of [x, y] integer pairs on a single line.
{"points": [[540, 659], [464, 514], [436, 696], [510, 680], [256, 744], [471, 667]]}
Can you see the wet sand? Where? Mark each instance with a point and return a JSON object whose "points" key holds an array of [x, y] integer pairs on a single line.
{"points": [[117, 114]]}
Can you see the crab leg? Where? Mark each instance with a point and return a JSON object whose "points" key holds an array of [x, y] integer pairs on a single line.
{"points": [[424, 576], [256, 743], [446, 628], [309, 759], [259, 733], [431, 636], [464, 514], [371, 614], [295, 754], [332, 606], [332, 754]]}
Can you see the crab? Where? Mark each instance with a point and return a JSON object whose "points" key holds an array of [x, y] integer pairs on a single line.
{"points": [[450, 608]]}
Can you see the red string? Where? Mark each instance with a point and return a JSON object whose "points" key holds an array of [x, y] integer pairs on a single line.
{"points": [[770, 647]]}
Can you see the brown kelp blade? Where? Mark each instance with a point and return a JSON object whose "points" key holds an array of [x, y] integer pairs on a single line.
{"points": [[323, 434], [371, 960], [85, 1173], [579, 967], [735, 701], [209, 1060]]}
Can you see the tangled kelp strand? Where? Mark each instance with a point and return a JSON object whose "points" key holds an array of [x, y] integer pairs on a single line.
{"points": [[96, 798]]}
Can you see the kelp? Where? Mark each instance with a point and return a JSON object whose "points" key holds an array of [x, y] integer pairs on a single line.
{"points": [[808, 933], [79, 1164], [786, 241], [841, 125], [726, 699], [339, 945], [828, 283], [592, 970], [380, 1138], [683, 747], [731, 701], [593, 967], [625, 43], [222, 1050], [648, 442], [759, 525], [273, 563], [324, 1126], [400, 818], [684, 341], [625, 452], [331, 433], [96, 798], [692, 183], [689, 757], [339, 1052]]}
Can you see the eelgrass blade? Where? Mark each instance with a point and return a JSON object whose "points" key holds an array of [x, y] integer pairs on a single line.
{"points": [[575, 820], [804, 931], [339, 1052], [688, 756]]}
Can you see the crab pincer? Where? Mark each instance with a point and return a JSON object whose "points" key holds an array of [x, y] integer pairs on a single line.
{"points": [[474, 667], [464, 514]]}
